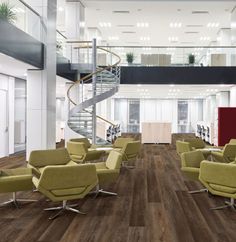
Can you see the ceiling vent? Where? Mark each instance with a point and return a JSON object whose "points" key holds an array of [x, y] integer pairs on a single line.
{"points": [[121, 11], [191, 32], [126, 25], [200, 12], [194, 25], [128, 32]]}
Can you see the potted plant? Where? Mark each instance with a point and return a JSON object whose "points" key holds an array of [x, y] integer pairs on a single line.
{"points": [[191, 59], [130, 58], [7, 13]]}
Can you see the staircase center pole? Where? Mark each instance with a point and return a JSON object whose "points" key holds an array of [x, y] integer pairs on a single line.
{"points": [[94, 60]]}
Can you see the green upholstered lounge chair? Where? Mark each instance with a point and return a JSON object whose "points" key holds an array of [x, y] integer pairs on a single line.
{"points": [[86, 142], [130, 152], [227, 155], [219, 179], [232, 141], [199, 144], [79, 152], [120, 142], [62, 183], [190, 166], [14, 180], [182, 147], [40, 158], [108, 171]]}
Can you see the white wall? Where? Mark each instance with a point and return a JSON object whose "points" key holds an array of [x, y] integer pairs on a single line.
{"points": [[7, 84]]}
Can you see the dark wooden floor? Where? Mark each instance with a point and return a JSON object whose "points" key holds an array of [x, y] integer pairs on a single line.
{"points": [[153, 205]]}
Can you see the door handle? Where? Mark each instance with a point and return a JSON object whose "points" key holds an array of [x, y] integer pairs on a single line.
{"points": [[6, 130]]}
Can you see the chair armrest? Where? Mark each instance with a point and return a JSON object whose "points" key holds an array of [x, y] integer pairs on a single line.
{"points": [[218, 173], [190, 169], [218, 156]]}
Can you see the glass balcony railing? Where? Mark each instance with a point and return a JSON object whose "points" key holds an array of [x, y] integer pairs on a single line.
{"points": [[177, 56], [61, 43], [25, 18], [157, 56]]}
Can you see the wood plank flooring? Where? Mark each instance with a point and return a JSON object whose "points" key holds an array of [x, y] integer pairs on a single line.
{"points": [[153, 205]]}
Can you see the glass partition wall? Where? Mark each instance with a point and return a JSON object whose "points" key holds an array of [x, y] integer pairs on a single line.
{"points": [[183, 114]]}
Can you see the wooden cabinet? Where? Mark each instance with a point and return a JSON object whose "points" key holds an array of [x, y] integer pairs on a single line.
{"points": [[153, 132]]}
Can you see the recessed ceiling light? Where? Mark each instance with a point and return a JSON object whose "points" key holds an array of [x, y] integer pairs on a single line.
{"points": [[171, 85], [145, 38], [105, 24], [176, 25], [143, 25], [173, 39], [60, 9], [213, 25]]}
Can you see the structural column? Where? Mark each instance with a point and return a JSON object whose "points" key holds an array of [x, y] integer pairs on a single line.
{"points": [[233, 97], [41, 89]]}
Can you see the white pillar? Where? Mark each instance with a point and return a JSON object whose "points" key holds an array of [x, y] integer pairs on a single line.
{"points": [[41, 89], [233, 97], [224, 39], [74, 20], [222, 99]]}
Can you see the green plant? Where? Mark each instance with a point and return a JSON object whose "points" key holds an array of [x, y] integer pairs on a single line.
{"points": [[7, 13], [130, 57], [191, 59]]}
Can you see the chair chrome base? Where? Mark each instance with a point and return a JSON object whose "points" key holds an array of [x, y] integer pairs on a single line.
{"points": [[16, 202], [125, 164], [198, 191], [98, 191], [230, 204], [63, 208]]}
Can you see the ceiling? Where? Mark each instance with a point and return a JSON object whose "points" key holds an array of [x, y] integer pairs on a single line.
{"points": [[19, 70], [170, 91], [159, 15]]}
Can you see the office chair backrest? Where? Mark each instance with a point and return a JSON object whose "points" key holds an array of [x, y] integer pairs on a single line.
{"points": [[120, 142], [39, 158], [192, 159], [77, 148], [196, 143], [68, 177], [229, 152], [131, 149], [82, 140], [232, 141], [182, 147]]}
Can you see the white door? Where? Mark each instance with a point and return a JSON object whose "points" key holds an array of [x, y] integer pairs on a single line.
{"points": [[4, 146]]}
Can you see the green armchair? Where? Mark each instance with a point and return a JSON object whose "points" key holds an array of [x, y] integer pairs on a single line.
{"points": [[79, 152], [130, 152], [219, 179], [199, 144], [227, 155], [85, 141], [108, 171], [182, 147], [39, 159], [120, 142], [14, 180], [190, 166], [232, 141], [62, 183]]}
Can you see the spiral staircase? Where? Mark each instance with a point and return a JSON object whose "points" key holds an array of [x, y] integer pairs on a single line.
{"points": [[95, 87]]}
